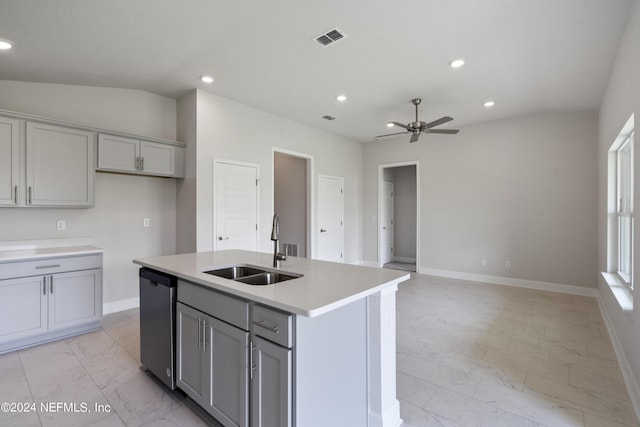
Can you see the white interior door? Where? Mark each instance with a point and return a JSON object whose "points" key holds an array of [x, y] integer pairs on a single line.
{"points": [[386, 222], [236, 206], [330, 218]]}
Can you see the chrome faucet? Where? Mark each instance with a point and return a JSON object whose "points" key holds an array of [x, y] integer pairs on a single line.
{"points": [[275, 237]]}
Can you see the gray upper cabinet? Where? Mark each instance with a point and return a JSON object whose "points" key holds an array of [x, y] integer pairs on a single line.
{"points": [[130, 155], [9, 161], [116, 153], [45, 165], [59, 166]]}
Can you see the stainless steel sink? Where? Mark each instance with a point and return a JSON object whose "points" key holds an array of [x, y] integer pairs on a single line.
{"points": [[235, 272], [266, 278], [252, 275]]}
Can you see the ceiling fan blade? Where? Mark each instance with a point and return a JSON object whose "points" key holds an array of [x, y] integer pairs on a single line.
{"points": [[400, 125], [390, 134], [438, 122], [414, 136], [443, 131]]}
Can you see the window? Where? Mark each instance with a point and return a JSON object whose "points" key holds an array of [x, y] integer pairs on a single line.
{"points": [[624, 208]]}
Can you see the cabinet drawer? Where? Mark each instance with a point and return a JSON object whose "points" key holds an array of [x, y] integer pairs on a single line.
{"points": [[229, 309], [45, 266], [274, 325]]}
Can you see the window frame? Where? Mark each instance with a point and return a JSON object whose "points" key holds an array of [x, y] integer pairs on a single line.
{"points": [[624, 209]]}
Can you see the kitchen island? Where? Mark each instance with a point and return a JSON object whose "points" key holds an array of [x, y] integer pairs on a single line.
{"points": [[315, 350]]}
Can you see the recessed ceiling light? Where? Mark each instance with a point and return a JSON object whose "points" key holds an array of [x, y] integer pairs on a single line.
{"points": [[341, 98], [207, 79], [456, 63], [5, 44], [489, 104], [390, 125]]}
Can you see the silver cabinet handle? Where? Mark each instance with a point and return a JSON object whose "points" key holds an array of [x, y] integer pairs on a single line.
{"points": [[222, 238], [199, 333], [38, 267], [29, 194], [253, 367], [273, 329], [15, 193], [322, 230], [142, 163], [51, 284], [204, 335], [44, 285]]}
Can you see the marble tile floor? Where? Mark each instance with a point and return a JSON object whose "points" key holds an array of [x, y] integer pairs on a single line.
{"points": [[468, 354]]}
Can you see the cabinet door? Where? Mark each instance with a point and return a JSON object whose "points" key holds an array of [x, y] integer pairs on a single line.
{"points": [[117, 153], [157, 159], [271, 385], [9, 161], [23, 308], [192, 375], [74, 298], [60, 166], [229, 395]]}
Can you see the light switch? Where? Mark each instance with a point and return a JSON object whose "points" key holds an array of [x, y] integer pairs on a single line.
{"points": [[61, 225], [146, 222]]}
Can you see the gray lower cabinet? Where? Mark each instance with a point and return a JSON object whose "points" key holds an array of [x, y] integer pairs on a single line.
{"points": [[39, 308], [212, 365], [24, 308], [271, 384]]}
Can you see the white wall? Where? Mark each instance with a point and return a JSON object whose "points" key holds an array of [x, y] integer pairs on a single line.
{"points": [[622, 98], [520, 189], [229, 130], [121, 201]]}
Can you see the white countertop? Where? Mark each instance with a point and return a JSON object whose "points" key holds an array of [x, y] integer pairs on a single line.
{"points": [[23, 251], [325, 286]]}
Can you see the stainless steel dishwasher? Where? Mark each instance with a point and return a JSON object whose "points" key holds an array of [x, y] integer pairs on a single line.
{"points": [[158, 324]]}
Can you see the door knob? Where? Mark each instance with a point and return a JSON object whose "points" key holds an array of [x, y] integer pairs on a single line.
{"points": [[222, 238], [322, 230]]}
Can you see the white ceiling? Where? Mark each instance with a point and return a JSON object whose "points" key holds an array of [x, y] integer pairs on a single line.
{"points": [[526, 55]]}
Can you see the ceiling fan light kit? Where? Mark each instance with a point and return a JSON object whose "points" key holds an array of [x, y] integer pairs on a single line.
{"points": [[417, 128]]}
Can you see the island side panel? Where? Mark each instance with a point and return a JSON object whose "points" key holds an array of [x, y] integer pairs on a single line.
{"points": [[384, 408], [331, 368]]}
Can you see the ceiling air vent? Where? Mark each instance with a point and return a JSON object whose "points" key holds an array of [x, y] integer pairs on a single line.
{"points": [[328, 117], [329, 37]]}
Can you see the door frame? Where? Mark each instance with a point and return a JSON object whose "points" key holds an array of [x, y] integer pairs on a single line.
{"points": [[391, 221], [311, 213], [214, 218], [381, 168], [341, 179]]}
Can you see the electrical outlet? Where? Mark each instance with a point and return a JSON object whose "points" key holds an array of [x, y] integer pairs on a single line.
{"points": [[146, 222], [484, 262], [61, 225], [507, 264]]}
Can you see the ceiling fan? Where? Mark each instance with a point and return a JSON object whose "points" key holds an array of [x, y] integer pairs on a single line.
{"points": [[418, 127]]}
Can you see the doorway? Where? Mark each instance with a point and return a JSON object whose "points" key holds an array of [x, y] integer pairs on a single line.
{"points": [[292, 201], [398, 213]]}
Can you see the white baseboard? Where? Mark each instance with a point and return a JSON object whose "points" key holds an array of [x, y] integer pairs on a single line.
{"points": [[404, 259], [120, 305], [625, 368], [510, 281], [369, 264]]}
